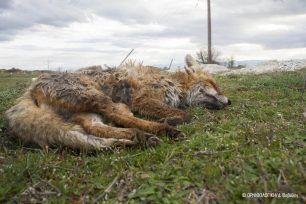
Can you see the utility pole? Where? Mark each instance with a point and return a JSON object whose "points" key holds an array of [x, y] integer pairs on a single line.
{"points": [[209, 60]]}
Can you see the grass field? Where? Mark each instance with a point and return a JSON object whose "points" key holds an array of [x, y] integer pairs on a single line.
{"points": [[255, 145]]}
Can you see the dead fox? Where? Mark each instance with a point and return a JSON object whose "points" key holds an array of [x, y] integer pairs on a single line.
{"points": [[93, 108]]}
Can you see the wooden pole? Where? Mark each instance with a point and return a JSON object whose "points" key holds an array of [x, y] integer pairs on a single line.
{"points": [[209, 60]]}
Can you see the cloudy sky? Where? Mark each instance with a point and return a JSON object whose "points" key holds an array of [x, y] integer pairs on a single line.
{"points": [[75, 33]]}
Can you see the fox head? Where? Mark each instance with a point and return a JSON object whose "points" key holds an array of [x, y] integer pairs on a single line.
{"points": [[202, 89]]}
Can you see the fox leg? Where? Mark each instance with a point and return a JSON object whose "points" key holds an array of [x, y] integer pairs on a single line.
{"points": [[120, 114], [160, 110], [89, 99], [92, 124], [71, 134]]}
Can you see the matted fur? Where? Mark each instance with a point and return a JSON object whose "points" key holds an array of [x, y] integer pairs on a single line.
{"points": [[75, 109]]}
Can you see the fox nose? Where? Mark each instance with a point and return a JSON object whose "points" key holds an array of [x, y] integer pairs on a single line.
{"points": [[229, 102]]}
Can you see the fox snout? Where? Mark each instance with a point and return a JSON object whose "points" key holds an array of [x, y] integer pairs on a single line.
{"points": [[220, 103], [224, 100]]}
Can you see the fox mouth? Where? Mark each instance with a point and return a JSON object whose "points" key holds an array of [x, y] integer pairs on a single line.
{"points": [[216, 105]]}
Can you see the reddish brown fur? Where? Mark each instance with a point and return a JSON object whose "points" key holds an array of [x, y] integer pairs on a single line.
{"points": [[90, 96]]}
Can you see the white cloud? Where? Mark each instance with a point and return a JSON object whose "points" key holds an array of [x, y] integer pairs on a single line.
{"points": [[74, 33]]}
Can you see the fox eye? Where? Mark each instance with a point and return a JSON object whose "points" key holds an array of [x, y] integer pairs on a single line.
{"points": [[202, 91]]}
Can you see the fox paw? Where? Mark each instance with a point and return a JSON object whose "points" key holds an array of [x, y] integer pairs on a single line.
{"points": [[147, 139], [175, 133], [153, 141]]}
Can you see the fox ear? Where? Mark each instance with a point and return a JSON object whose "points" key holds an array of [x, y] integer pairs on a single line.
{"points": [[190, 61], [189, 70]]}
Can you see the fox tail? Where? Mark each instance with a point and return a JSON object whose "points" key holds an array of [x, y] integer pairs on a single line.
{"points": [[44, 127]]}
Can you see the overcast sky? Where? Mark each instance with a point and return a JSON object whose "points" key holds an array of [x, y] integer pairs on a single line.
{"points": [[76, 33]]}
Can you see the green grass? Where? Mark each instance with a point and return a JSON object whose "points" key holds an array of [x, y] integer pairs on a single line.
{"points": [[255, 145]]}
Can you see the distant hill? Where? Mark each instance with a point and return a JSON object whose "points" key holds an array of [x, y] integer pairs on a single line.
{"points": [[14, 70]]}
